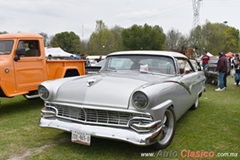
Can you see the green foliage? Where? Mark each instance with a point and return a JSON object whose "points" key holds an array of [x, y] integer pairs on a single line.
{"points": [[84, 47], [215, 37], [143, 37], [232, 43], [103, 40], [68, 41], [117, 43], [4, 32]]}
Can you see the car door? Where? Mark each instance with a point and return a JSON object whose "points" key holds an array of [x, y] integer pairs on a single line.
{"points": [[29, 70], [191, 81]]}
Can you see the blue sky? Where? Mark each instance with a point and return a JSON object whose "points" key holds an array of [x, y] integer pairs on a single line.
{"points": [[80, 16]]}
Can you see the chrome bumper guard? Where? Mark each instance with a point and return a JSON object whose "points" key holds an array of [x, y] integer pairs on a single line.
{"points": [[123, 134]]}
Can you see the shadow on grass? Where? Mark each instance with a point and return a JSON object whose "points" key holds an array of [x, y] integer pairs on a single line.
{"points": [[18, 105]]}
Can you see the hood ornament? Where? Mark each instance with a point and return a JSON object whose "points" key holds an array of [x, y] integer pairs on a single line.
{"points": [[93, 81]]}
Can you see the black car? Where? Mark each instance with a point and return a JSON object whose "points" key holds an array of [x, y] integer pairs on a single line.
{"points": [[210, 71]]}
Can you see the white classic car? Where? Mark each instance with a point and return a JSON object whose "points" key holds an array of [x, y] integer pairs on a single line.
{"points": [[136, 97]]}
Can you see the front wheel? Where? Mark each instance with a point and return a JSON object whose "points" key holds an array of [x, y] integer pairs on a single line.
{"points": [[168, 130]]}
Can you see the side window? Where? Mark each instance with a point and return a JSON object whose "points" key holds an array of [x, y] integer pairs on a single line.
{"points": [[31, 48], [184, 66], [21, 45], [188, 68], [6, 46]]}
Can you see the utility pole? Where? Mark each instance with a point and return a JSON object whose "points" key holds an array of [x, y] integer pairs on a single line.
{"points": [[82, 31], [196, 9]]}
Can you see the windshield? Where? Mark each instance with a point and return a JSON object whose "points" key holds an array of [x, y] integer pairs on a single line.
{"points": [[143, 63], [6, 46]]}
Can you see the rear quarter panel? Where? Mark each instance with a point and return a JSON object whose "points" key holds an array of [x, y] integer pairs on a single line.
{"points": [[57, 68]]}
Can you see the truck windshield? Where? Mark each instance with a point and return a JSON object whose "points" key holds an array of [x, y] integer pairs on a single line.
{"points": [[6, 46]]}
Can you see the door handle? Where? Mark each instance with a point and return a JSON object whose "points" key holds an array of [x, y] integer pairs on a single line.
{"points": [[40, 59]]}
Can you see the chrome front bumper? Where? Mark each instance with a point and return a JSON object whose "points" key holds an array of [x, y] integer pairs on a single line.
{"points": [[123, 134]]}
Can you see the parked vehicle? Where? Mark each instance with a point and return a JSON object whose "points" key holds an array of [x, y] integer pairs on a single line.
{"points": [[24, 66], [210, 71], [95, 68], [100, 63], [92, 62], [136, 97]]}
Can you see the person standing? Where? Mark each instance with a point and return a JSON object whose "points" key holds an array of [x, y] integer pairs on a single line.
{"points": [[100, 58], [87, 63], [231, 63], [82, 57], [49, 57], [205, 59], [226, 74], [236, 62], [221, 69]]}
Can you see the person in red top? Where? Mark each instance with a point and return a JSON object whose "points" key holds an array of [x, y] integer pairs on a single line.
{"points": [[205, 59]]}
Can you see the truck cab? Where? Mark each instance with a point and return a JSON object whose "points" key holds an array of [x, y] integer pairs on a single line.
{"points": [[23, 65]]}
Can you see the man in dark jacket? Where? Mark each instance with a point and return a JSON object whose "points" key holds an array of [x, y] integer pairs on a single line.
{"points": [[222, 70]]}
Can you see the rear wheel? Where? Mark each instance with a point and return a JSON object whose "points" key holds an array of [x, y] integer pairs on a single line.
{"points": [[168, 130]]}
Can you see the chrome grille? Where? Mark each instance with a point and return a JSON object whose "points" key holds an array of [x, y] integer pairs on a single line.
{"points": [[95, 116]]}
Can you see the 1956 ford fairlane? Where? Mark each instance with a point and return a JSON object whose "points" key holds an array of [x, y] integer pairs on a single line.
{"points": [[136, 97]]}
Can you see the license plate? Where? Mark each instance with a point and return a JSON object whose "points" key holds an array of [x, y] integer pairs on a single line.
{"points": [[81, 137]]}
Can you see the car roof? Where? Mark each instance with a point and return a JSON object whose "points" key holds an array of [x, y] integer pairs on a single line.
{"points": [[149, 52]]}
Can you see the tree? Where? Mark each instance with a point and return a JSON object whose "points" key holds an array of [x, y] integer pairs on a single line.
{"points": [[143, 37], [102, 40], [4, 32], [233, 42], [68, 41], [45, 38], [197, 40], [175, 40], [117, 33], [84, 47], [215, 38]]}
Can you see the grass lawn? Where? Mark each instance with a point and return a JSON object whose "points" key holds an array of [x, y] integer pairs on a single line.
{"points": [[214, 128]]}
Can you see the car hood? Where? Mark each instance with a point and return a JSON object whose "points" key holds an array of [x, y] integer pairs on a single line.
{"points": [[105, 90]]}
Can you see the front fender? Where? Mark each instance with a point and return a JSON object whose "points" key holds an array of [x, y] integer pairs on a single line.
{"points": [[159, 110]]}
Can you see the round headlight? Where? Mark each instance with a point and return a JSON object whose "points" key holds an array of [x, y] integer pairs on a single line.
{"points": [[43, 92], [140, 100]]}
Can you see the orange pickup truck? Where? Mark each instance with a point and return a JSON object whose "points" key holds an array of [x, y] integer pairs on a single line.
{"points": [[23, 65]]}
